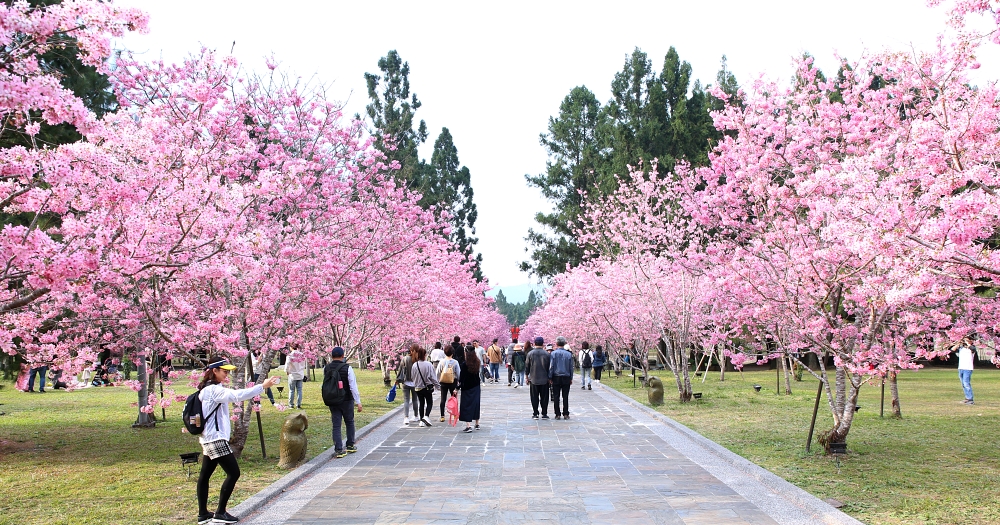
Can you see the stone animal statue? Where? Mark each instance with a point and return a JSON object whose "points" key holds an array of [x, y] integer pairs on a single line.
{"points": [[293, 441], [655, 391]]}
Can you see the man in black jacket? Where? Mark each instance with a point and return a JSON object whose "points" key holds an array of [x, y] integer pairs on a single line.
{"points": [[536, 367]]}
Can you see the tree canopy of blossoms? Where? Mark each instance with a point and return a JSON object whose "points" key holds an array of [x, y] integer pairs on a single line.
{"points": [[854, 216], [216, 213]]}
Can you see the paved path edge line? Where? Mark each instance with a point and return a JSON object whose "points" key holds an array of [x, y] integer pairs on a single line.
{"points": [[764, 476], [300, 473]]}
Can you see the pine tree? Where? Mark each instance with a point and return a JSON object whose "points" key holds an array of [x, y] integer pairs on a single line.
{"points": [[574, 165], [449, 186], [650, 115], [392, 113], [443, 183]]}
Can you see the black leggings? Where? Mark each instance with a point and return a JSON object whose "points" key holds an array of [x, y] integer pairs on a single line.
{"points": [[426, 397], [232, 470], [597, 372]]}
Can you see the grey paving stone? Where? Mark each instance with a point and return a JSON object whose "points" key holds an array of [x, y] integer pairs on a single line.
{"points": [[614, 462]]}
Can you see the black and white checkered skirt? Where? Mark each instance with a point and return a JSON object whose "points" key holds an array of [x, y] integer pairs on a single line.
{"points": [[216, 449]]}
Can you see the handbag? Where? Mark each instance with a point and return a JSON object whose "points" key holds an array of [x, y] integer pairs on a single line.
{"points": [[391, 396]]}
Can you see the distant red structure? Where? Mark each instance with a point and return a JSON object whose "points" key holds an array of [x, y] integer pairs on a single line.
{"points": [[515, 331]]}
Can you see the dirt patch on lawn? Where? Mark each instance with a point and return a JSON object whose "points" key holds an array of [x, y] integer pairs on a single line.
{"points": [[8, 447]]}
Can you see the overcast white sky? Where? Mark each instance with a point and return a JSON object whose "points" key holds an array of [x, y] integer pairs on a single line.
{"points": [[494, 73]]}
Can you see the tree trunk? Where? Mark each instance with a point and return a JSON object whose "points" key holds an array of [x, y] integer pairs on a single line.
{"points": [[144, 419], [787, 373], [721, 356], [840, 400], [894, 388], [685, 355], [845, 415]]}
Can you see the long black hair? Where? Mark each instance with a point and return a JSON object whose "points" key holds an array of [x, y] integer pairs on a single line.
{"points": [[471, 359]]}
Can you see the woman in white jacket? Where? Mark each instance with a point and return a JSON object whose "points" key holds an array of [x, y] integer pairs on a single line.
{"points": [[215, 400], [295, 366]]}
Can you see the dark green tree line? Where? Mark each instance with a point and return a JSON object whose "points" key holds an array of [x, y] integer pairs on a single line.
{"points": [[651, 115], [443, 182], [516, 313]]}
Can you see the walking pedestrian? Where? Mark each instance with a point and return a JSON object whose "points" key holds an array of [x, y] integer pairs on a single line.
{"points": [[517, 364], [295, 367], [425, 379], [495, 354], [536, 366], [966, 357], [404, 375], [561, 376], [437, 355], [448, 372], [586, 365], [484, 372], [256, 376], [469, 401], [340, 371], [508, 360], [214, 440], [458, 350], [600, 359]]}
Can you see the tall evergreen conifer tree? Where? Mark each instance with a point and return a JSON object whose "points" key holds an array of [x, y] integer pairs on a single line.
{"points": [[650, 115], [443, 182]]}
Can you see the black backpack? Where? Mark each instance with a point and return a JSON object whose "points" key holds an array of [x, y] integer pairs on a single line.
{"points": [[334, 389], [587, 361], [194, 422]]}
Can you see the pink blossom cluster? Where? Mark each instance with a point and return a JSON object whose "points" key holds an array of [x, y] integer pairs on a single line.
{"points": [[854, 216], [216, 213]]}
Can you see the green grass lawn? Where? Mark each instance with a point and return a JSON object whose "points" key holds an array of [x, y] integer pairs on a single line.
{"points": [[73, 458], [939, 464]]}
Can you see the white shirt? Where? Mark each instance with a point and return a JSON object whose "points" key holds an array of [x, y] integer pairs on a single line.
{"points": [[295, 365], [965, 358], [437, 355], [217, 427]]}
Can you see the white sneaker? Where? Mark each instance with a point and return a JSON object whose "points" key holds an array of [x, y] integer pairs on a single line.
{"points": [[423, 424], [406, 421]]}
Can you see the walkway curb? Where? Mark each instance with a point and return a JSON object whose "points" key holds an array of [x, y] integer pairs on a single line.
{"points": [[258, 500], [826, 512]]}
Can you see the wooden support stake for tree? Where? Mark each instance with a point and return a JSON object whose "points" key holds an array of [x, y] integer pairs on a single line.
{"points": [[812, 424], [881, 410], [260, 432]]}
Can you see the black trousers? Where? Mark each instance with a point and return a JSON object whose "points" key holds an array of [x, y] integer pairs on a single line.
{"points": [[539, 396], [232, 470], [597, 372], [510, 375], [426, 398], [446, 388], [560, 385]]}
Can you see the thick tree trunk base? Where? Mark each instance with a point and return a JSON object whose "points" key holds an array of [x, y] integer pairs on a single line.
{"points": [[828, 437]]}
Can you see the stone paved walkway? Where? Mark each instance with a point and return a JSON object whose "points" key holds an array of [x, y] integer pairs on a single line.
{"points": [[614, 461]]}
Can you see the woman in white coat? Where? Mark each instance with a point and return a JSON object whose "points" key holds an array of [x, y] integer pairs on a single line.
{"points": [[215, 401]]}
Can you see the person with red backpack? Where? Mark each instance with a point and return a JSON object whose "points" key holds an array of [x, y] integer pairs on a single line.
{"points": [[215, 400], [448, 373]]}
